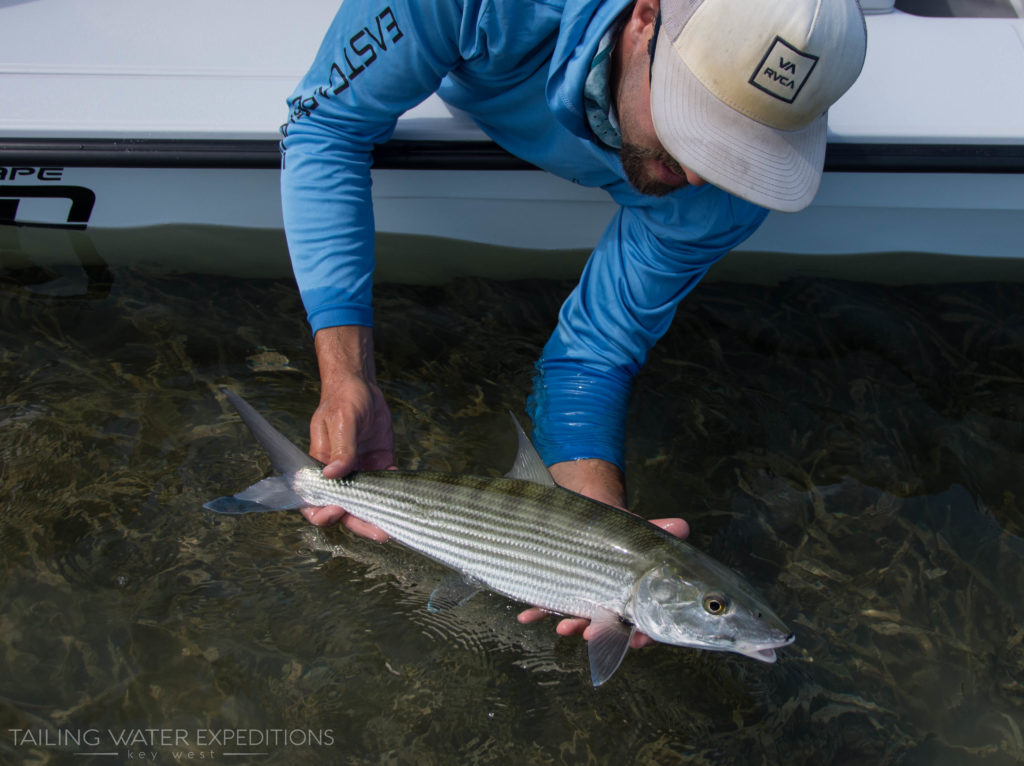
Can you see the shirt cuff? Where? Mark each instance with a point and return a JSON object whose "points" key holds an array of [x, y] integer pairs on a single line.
{"points": [[340, 316], [579, 412]]}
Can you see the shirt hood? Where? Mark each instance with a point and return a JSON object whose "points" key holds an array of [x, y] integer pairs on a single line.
{"points": [[583, 24]]}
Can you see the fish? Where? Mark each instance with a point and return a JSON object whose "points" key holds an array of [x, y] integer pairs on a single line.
{"points": [[530, 540]]}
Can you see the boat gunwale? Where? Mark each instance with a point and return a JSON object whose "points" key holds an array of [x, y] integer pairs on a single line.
{"points": [[481, 155]]}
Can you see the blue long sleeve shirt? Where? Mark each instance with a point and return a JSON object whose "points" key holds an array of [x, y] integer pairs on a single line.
{"points": [[518, 68]]}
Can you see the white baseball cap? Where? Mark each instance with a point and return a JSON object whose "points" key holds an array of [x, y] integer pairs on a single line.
{"points": [[740, 90]]}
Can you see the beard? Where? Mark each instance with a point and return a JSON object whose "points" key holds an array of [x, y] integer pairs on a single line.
{"points": [[634, 160]]}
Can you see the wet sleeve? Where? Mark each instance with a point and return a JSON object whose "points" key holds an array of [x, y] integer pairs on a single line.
{"points": [[644, 265], [378, 60]]}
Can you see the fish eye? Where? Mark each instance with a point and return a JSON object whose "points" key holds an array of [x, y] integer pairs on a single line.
{"points": [[716, 604]]}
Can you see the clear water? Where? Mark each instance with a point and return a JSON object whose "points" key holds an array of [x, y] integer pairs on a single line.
{"points": [[855, 450]]}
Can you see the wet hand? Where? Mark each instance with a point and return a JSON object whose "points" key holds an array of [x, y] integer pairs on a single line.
{"points": [[351, 428], [575, 626], [350, 433], [604, 482], [326, 515]]}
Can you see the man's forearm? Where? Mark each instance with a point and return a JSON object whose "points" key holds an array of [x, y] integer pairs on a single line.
{"points": [[345, 352]]}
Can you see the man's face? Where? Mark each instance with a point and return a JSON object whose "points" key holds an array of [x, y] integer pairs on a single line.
{"points": [[649, 168]]}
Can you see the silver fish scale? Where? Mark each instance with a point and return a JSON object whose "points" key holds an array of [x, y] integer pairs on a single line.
{"points": [[541, 545]]}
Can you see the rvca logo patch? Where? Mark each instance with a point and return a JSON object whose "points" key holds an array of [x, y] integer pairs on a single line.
{"points": [[783, 71]]}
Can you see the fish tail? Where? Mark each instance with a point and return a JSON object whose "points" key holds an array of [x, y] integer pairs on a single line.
{"points": [[275, 493]]}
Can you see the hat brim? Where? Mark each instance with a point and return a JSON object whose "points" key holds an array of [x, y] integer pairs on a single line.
{"points": [[776, 169]]}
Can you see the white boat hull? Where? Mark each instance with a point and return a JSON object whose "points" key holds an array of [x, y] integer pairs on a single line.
{"points": [[183, 186]]}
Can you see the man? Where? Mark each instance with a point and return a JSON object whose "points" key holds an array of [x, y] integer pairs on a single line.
{"points": [[695, 115]]}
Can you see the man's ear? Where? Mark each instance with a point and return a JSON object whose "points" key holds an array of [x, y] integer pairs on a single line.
{"points": [[643, 16]]}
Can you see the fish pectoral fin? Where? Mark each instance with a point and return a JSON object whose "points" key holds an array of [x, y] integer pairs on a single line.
{"points": [[272, 494], [609, 642], [454, 590], [528, 465]]}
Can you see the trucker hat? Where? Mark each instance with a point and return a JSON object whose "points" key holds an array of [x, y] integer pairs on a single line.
{"points": [[740, 90]]}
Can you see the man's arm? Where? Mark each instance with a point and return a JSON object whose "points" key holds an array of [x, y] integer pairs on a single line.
{"points": [[625, 301], [376, 62], [649, 258], [352, 426]]}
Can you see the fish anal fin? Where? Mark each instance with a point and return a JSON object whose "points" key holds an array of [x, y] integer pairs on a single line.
{"points": [[528, 465], [608, 644], [454, 590]]}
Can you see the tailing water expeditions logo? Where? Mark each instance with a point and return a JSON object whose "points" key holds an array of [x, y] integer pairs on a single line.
{"points": [[170, 744]]}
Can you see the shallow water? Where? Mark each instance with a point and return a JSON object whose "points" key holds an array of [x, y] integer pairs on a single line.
{"points": [[855, 450]]}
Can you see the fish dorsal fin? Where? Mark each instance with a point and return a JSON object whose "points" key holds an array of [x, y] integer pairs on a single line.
{"points": [[284, 456], [609, 641], [454, 590], [528, 465]]}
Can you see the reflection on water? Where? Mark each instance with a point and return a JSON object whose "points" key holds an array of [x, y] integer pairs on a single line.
{"points": [[854, 450]]}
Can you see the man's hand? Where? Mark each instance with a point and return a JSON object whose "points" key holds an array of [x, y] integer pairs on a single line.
{"points": [[602, 481], [351, 429]]}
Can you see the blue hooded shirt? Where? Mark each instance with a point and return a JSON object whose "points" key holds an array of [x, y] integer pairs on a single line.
{"points": [[517, 67]]}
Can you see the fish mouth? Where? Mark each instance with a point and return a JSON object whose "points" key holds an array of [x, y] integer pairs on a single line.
{"points": [[765, 652]]}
